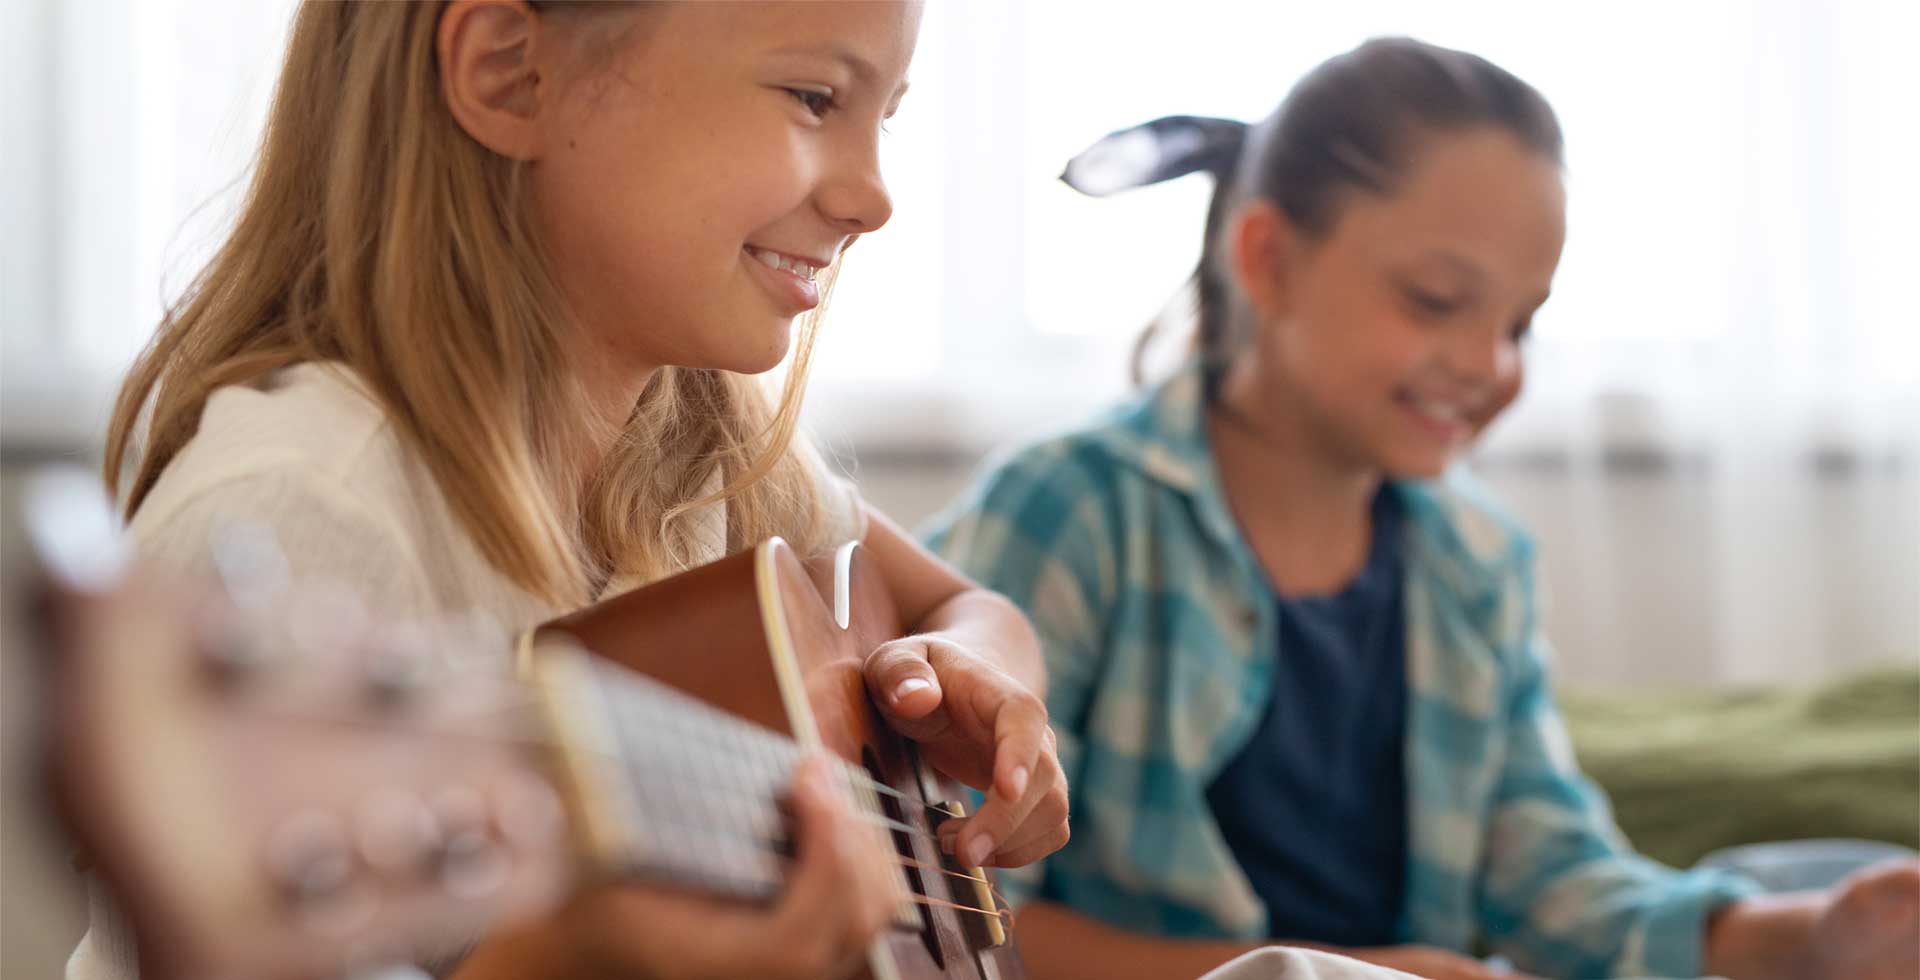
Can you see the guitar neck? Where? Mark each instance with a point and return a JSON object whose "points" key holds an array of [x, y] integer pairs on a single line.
{"points": [[665, 787], [271, 801]]}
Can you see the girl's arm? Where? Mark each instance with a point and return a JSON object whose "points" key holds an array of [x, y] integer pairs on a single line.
{"points": [[968, 684], [935, 597], [1560, 892], [1866, 928]]}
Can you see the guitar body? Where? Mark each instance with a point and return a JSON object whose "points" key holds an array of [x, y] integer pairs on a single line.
{"points": [[274, 790], [780, 642]]}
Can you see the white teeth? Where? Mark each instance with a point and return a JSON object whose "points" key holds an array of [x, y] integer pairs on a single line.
{"points": [[774, 260], [1439, 410]]}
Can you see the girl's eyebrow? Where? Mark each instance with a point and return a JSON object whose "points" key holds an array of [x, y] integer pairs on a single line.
{"points": [[1471, 270], [1454, 262], [1462, 264]]}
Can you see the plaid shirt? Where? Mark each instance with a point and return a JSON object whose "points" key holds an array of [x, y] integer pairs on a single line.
{"points": [[1159, 631]]}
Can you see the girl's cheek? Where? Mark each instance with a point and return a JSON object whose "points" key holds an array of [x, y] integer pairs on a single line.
{"points": [[1510, 390]]}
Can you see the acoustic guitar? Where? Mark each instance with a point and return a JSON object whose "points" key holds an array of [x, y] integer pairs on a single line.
{"points": [[275, 787]]}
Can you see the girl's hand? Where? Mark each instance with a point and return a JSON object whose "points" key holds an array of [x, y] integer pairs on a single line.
{"points": [[1871, 928], [842, 891], [979, 725], [1430, 962]]}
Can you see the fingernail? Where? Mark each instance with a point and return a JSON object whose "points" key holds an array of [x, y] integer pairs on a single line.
{"points": [[1019, 781], [977, 851], [908, 686]]}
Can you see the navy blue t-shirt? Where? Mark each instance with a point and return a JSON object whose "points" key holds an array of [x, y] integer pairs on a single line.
{"points": [[1315, 806]]}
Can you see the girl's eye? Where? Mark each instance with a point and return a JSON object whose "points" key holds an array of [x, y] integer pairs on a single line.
{"points": [[818, 103], [1432, 303]]}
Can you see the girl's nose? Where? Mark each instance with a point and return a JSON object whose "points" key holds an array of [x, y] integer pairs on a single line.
{"points": [[857, 197], [1482, 356]]}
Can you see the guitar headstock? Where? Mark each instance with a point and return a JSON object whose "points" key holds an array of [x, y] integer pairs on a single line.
{"points": [[276, 790]]}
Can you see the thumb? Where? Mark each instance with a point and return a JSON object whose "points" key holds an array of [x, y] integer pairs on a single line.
{"points": [[903, 683]]}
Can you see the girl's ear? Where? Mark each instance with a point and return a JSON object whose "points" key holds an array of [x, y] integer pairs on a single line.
{"points": [[1260, 242], [489, 74]]}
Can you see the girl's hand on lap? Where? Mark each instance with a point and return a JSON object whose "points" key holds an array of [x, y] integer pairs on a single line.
{"points": [[983, 727], [1870, 930]]}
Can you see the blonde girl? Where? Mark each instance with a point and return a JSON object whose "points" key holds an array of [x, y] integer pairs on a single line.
{"points": [[482, 347]]}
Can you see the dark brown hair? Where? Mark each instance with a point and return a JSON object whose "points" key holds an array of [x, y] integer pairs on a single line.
{"points": [[1354, 124]]}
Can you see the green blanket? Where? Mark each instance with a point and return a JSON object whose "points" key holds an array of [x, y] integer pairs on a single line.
{"points": [[1692, 772]]}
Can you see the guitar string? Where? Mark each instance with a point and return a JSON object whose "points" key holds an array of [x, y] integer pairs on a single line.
{"points": [[852, 774], [866, 817], [855, 775], [1004, 909]]}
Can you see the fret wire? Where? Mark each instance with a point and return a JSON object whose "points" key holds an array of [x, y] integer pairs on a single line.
{"points": [[617, 690], [319, 720], [771, 887], [774, 752], [648, 834], [726, 776], [781, 746], [656, 733], [697, 811], [765, 889], [774, 738], [746, 748], [765, 804], [618, 693]]}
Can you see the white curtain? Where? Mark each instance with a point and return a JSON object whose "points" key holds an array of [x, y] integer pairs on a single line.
{"points": [[1720, 439]]}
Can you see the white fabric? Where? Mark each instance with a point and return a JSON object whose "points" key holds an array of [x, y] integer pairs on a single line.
{"points": [[312, 459], [1286, 963]]}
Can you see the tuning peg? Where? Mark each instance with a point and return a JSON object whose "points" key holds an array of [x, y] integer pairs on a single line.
{"points": [[308, 857], [471, 862], [326, 619], [399, 664], [74, 528], [396, 833], [528, 811], [228, 647], [251, 566]]}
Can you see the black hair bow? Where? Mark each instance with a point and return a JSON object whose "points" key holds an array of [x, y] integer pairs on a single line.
{"points": [[1168, 147]]}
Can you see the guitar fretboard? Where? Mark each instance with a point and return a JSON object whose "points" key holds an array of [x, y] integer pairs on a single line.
{"points": [[671, 788]]}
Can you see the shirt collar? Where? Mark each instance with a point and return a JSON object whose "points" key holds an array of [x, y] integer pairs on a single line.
{"points": [[1454, 527]]}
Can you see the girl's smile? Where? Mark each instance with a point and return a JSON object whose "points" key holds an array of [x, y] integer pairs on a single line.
{"points": [[789, 279], [1446, 421]]}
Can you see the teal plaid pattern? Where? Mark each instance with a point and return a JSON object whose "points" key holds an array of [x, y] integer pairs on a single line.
{"points": [[1159, 632]]}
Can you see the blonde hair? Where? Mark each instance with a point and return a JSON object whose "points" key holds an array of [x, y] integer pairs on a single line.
{"points": [[377, 234]]}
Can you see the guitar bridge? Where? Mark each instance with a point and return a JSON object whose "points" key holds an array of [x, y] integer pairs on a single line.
{"points": [[995, 930]]}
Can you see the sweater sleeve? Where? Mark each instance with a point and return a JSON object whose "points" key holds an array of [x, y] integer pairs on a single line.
{"points": [[1563, 893]]}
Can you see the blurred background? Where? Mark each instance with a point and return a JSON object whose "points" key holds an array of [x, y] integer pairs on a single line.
{"points": [[1719, 446]]}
